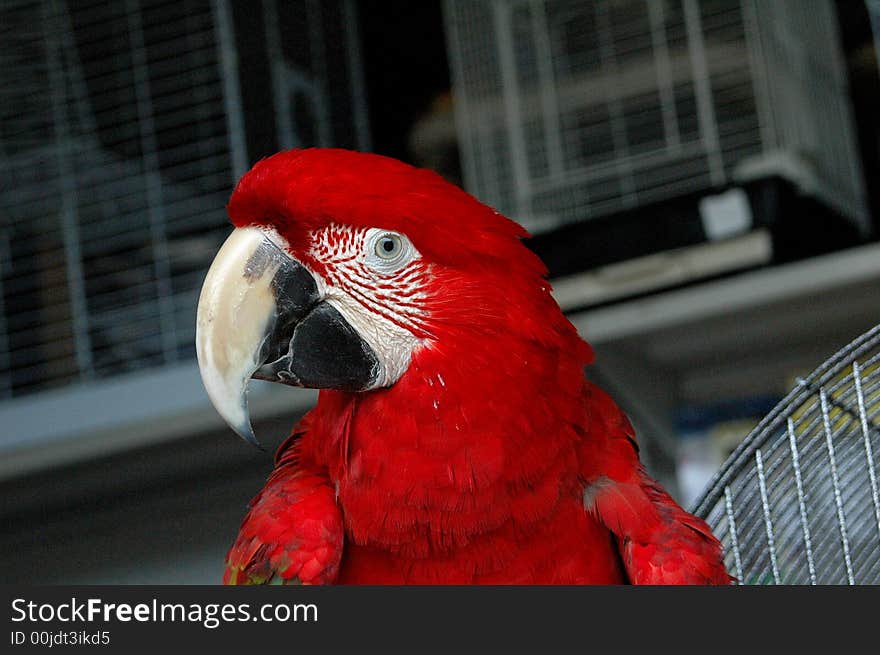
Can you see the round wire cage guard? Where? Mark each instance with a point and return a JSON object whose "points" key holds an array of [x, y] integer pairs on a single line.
{"points": [[797, 502]]}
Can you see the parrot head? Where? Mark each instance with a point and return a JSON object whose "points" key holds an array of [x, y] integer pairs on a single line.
{"points": [[345, 267]]}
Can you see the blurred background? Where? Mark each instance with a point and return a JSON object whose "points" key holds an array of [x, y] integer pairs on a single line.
{"points": [[700, 177]]}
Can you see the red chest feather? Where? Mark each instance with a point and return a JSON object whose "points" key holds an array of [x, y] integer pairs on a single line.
{"points": [[447, 492]]}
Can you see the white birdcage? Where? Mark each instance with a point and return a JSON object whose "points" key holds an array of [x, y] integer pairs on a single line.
{"points": [[573, 109]]}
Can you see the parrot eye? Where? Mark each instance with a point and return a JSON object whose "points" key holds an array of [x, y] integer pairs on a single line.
{"points": [[388, 246], [388, 252]]}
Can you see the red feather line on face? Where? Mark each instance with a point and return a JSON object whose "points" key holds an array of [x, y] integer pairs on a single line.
{"points": [[395, 296]]}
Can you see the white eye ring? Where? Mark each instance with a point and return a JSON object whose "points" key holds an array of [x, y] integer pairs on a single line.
{"points": [[388, 252], [388, 246]]}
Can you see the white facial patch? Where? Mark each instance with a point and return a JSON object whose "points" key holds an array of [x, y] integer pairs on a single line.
{"points": [[392, 344], [374, 278]]}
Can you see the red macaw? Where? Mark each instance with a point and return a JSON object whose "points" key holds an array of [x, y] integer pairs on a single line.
{"points": [[455, 439]]}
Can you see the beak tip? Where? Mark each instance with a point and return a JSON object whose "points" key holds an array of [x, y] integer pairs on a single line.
{"points": [[246, 432]]}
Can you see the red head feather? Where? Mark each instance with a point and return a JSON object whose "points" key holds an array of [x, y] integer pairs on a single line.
{"points": [[299, 191], [477, 253]]}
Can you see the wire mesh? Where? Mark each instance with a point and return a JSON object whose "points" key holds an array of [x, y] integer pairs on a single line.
{"points": [[121, 136], [797, 502], [115, 164]]}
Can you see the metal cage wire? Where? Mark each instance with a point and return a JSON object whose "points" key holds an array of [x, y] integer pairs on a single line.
{"points": [[569, 110], [116, 158], [122, 133], [797, 502]]}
